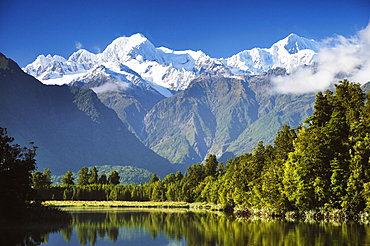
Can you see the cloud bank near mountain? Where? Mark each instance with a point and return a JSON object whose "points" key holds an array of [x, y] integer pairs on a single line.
{"points": [[338, 58], [111, 87]]}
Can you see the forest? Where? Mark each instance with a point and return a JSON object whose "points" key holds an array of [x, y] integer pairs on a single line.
{"points": [[321, 164]]}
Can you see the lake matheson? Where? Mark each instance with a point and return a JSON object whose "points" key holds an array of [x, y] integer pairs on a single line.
{"points": [[126, 226]]}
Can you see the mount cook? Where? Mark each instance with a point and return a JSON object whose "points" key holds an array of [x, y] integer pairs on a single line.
{"points": [[166, 70]]}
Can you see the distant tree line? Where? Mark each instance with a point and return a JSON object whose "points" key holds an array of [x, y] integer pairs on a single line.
{"points": [[321, 164]]}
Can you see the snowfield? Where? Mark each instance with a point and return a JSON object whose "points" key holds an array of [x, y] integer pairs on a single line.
{"points": [[135, 58]]}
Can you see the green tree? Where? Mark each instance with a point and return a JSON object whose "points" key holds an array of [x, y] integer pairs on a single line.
{"points": [[16, 165], [210, 166], [113, 178], [195, 175], [323, 109], [338, 184], [257, 162], [170, 178], [154, 178], [329, 164], [350, 97], [68, 178], [38, 180], [103, 179], [210, 190], [228, 191], [179, 176], [246, 172], [41, 180], [284, 142], [47, 175], [307, 171], [158, 192], [83, 176], [67, 194], [93, 177]]}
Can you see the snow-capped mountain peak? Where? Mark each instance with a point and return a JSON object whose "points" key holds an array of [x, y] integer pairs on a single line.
{"points": [[289, 53], [35, 68], [193, 54], [123, 49], [82, 56], [169, 70], [51, 67], [294, 43]]}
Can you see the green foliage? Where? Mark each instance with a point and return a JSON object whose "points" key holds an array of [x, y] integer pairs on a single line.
{"points": [[113, 178], [41, 180], [103, 179], [323, 164], [284, 142], [83, 176], [93, 177], [37, 180], [16, 165], [128, 174], [211, 166], [68, 178], [328, 165], [154, 178]]}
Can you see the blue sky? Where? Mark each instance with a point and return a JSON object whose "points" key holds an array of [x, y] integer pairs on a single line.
{"points": [[219, 28]]}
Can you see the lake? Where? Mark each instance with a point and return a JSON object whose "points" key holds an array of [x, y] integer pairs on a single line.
{"points": [[183, 227]]}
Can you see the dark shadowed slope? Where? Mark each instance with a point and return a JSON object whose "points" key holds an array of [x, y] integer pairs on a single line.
{"points": [[71, 127]]}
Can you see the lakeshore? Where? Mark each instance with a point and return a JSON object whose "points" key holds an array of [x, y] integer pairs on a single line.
{"points": [[131, 204]]}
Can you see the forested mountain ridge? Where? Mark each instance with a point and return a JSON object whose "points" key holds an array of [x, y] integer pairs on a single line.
{"points": [[274, 110], [71, 127], [222, 114]]}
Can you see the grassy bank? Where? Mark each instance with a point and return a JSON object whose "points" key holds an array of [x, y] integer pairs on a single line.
{"points": [[312, 215], [130, 204]]}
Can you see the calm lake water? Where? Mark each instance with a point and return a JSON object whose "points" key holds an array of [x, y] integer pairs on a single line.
{"points": [[181, 227]]}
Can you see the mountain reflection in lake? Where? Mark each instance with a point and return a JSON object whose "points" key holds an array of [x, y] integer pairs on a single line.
{"points": [[181, 227]]}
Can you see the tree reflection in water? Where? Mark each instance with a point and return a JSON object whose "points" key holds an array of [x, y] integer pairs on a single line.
{"points": [[204, 228]]}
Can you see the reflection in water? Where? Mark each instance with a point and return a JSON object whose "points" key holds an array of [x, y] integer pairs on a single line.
{"points": [[178, 227], [28, 233]]}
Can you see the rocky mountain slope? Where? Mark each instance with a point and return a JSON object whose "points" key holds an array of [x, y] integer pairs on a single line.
{"points": [[223, 115]]}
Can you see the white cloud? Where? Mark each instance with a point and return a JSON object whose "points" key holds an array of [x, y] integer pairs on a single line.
{"points": [[111, 87], [78, 45], [338, 58]]}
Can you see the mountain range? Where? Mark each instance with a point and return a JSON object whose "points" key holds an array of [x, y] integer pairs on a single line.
{"points": [[185, 105], [182, 105], [166, 70]]}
